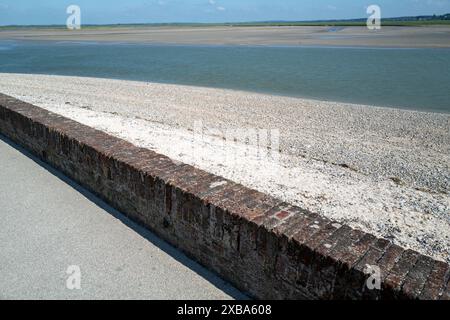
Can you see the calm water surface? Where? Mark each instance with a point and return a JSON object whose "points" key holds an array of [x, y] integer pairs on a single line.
{"points": [[405, 78]]}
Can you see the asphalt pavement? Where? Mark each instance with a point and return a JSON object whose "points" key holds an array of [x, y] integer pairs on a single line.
{"points": [[58, 241]]}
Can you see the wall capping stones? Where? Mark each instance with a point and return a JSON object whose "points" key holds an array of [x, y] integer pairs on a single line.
{"points": [[265, 247]]}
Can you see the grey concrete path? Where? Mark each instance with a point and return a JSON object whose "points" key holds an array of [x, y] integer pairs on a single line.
{"points": [[48, 223]]}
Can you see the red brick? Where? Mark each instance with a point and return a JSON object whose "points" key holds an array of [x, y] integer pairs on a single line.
{"points": [[399, 271], [415, 280], [264, 246], [435, 284], [390, 257]]}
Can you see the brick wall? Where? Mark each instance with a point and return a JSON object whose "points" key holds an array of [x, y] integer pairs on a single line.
{"points": [[267, 248]]}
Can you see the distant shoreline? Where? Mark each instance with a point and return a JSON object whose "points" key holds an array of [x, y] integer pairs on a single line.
{"points": [[422, 20], [352, 36]]}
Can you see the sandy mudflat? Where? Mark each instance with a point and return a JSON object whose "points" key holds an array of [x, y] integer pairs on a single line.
{"points": [[409, 37], [385, 171]]}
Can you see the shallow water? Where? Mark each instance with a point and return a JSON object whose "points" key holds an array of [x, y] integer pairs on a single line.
{"points": [[406, 78]]}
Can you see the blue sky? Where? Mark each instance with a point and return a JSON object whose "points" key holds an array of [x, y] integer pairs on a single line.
{"points": [[150, 11]]}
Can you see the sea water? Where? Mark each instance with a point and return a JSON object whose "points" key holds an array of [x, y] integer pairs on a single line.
{"points": [[416, 79]]}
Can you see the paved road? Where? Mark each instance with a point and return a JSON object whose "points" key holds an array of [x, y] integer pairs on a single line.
{"points": [[49, 223]]}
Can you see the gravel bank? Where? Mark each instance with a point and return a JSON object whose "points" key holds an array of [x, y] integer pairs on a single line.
{"points": [[385, 171]]}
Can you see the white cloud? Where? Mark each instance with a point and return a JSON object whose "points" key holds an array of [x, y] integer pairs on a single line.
{"points": [[216, 7]]}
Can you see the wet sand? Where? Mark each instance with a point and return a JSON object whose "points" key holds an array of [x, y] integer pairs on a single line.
{"points": [[399, 37]]}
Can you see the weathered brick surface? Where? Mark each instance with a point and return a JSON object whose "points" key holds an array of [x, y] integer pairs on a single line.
{"points": [[446, 293], [398, 274], [265, 247], [435, 284]]}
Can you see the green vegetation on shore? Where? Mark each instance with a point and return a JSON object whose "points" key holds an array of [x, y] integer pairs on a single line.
{"points": [[400, 21]]}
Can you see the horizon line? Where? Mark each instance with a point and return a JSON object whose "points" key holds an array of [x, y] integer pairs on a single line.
{"points": [[229, 22]]}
